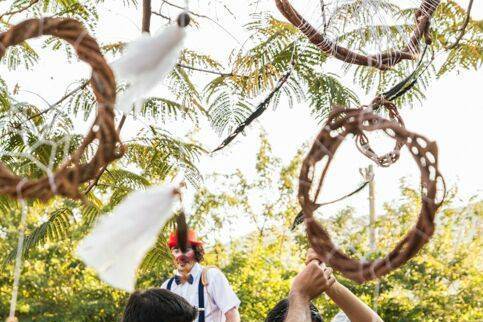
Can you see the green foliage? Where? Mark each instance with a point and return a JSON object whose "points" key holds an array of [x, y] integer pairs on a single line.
{"points": [[468, 54], [260, 271], [54, 229], [57, 287], [277, 48], [445, 26], [441, 283]]}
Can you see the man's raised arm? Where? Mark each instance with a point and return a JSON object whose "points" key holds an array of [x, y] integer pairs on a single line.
{"points": [[308, 284], [353, 307]]}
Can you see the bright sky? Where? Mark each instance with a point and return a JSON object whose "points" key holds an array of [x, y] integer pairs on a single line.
{"points": [[451, 114]]}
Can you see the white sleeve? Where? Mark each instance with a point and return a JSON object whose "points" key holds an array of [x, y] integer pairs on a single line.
{"points": [[221, 292], [341, 317]]}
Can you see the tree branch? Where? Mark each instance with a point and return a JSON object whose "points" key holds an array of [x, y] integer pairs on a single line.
{"points": [[462, 29], [189, 11], [13, 12], [161, 15], [207, 71], [258, 111], [146, 23], [104, 168], [62, 99], [202, 16]]}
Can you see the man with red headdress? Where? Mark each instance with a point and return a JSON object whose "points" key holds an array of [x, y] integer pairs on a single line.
{"points": [[203, 287]]}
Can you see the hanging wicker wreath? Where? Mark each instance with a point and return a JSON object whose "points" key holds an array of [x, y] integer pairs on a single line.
{"points": [[362, 141], [66, 179], [383, 60], [341, 123]]}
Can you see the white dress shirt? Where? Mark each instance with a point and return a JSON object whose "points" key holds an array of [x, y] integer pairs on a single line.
{"points": [[219, 296], [341, 317]]}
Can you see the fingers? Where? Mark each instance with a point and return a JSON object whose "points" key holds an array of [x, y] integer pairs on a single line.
{"points": [[311, 256], [321, 270], [316, 261], [328, 272], [330, 281], [313, 264], [313, 280], [330, 276]]}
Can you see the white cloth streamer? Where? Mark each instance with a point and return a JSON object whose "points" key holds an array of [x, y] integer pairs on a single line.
{"points": [[145, 63], [119, 241]]}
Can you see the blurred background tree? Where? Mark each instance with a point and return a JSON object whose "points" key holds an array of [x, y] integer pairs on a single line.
{"points": [[441, 283]]}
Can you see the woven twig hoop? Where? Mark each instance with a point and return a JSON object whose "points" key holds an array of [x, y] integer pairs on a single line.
{"points": [[67, 178], [384, 60], [341, 123], [362, 141]]}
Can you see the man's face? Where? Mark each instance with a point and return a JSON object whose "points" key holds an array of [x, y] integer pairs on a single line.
{"points": [[184, 261]]}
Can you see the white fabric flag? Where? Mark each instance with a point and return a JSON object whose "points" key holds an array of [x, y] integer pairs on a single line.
{"points": [[119, 241], [145, 63]]}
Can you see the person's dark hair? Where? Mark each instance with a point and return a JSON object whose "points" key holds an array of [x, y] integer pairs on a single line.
{"points": [[199, 253], [158, 305], [279, 312]]}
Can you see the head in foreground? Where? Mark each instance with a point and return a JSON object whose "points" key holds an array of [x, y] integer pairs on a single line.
{"points": [[279, 312], [158, 305]]}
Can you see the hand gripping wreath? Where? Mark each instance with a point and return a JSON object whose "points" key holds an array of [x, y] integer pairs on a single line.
{"points": [[362, 141], [341, 123], [383, 60], [74, 171]]}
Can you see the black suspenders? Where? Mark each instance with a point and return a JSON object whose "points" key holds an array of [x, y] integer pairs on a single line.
{"points": [[201, 297], [201, 300], [170, 283]]}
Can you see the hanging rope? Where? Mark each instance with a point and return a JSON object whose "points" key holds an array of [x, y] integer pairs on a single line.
{"points": [[18, 257], [385, 100], [410, 81], [261, 108], [182, 231], [341, 123], [184, 18], [407, 83], [300, 216]]}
